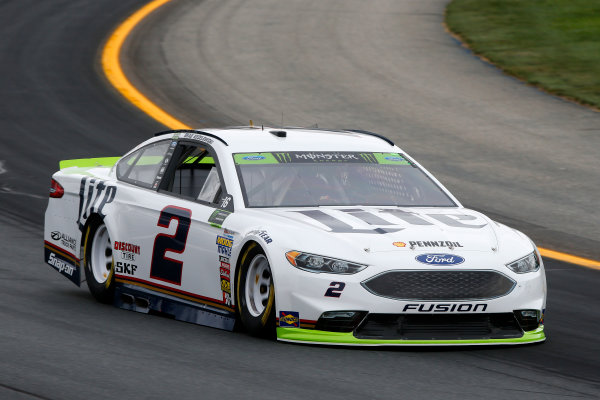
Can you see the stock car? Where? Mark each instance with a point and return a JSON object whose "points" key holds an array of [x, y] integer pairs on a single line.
{"points": [[306, 235]]}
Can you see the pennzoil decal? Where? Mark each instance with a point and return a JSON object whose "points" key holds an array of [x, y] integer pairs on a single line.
{"points": [[94, 195]]}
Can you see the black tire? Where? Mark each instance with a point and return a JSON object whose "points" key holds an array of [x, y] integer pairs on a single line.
{"points": [[255, 293], [99, 271]]}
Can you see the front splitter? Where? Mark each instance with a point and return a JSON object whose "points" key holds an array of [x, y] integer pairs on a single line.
{"points": [[312, 336]]}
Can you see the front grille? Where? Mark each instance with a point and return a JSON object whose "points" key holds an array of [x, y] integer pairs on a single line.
{"points": [[440, 285], [439, 327]]}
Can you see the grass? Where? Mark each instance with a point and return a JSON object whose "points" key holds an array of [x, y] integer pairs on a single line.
{"points": [[553, 44]]}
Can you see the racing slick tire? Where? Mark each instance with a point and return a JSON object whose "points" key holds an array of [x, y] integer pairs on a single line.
{"points": [[255, 293], [99, 263]]}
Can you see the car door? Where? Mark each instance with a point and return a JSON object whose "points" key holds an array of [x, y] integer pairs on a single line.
{"points": [[172, 222]]}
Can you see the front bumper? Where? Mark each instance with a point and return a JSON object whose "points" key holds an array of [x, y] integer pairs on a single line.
{"points": [[312, 336]]}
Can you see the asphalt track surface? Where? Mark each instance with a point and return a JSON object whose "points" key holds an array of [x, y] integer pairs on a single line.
{"points": [[56, 342]]}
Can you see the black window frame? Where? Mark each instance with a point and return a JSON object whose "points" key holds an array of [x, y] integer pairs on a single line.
{"points": [[172, 166]]}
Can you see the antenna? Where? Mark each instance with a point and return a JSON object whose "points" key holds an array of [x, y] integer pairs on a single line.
{"points": [[281, 126]]}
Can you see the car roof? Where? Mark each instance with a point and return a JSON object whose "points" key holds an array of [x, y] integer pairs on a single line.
{"points": [[259, 139]]}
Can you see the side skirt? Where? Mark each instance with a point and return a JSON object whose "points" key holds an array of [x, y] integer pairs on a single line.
{"points": [[140, 299]]}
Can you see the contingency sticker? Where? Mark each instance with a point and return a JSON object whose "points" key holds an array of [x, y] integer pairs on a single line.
{"points": [[289, 319]]}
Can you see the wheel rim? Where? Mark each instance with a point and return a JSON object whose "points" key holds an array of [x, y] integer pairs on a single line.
{"points": [[258, 285], [101, 255]]}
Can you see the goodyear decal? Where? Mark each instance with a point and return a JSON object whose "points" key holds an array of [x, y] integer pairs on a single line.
{"points": [[289, 319]]}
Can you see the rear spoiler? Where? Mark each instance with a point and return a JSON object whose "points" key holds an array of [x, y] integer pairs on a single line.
{"points": [[89, 162]]}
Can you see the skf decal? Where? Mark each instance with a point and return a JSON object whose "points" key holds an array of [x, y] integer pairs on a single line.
{"points": [[429, 307], [440, 259], [64, 239], [94, 195], [125, 268], [224, 244], [289, 319]]}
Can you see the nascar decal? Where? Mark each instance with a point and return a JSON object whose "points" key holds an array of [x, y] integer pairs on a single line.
{"points": [[225, 277], [94, 195], [289, 319], [224, 244]]}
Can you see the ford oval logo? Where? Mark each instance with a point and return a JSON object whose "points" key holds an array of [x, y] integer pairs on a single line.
{"points": [[253, 158], [440, 259], [394, 158]]}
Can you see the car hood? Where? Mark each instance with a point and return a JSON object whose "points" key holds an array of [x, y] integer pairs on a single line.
{"points": [[392, 229]]}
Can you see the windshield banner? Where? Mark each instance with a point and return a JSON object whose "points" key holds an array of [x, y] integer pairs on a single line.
{"points": [[320, 157]]}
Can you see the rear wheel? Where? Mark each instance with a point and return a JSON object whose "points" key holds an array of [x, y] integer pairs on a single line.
{"points": [[98, 263], [256, 293]]}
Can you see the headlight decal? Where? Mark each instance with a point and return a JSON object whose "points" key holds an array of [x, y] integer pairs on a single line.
{"points": [[322, 264], [529, 263]]}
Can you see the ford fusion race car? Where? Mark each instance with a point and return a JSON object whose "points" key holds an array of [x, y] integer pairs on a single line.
{"points": [[335, 237]]}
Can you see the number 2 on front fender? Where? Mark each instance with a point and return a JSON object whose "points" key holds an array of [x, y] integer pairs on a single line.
{"points": [[335, 289], [162, 267]]}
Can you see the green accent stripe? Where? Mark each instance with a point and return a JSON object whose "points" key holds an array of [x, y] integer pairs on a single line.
{"points": [[315, 336], [390, 158], [89, 162]]}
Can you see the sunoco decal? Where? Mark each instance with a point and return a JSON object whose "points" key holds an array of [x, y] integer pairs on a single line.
{"points": [[440, 259], [289, 319]]}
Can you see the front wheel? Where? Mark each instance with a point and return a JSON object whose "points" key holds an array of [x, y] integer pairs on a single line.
{"points": [[256, 293], [98, 263]]}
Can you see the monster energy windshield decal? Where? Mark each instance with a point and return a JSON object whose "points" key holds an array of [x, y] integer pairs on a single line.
{"points": [[312, 157]]}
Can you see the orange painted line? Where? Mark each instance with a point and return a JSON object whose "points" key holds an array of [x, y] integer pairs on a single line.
{"points": [[113, 71], [557, 255], [112, 68]]}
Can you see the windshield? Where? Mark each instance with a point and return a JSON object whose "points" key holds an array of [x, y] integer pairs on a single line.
{"points": [[309, 179]]}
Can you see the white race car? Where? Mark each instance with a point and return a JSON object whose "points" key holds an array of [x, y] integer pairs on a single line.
{"points": [[335, 237]]}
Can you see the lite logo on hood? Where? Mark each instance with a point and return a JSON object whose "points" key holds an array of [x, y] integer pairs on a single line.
{"points": [[440, 259]]}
